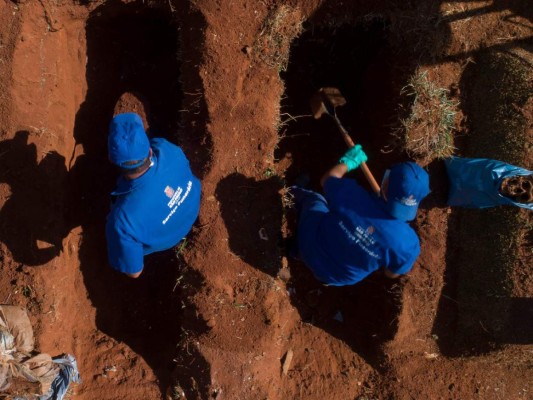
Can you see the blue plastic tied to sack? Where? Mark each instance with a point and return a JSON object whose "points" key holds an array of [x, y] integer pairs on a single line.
{"points": [[68, 373], [475, 182]]}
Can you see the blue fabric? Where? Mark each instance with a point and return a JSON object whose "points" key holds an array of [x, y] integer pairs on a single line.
{"points": [[408, 185], [153, 212], [350, 235], [127, 140], [68, 373], [475, 182]]}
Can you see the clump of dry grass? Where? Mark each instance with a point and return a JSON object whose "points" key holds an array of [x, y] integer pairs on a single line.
{"points": [[427, 131], [279, 28]]}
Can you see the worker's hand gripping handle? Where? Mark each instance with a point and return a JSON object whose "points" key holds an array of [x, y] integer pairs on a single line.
{"points": [[366, 171]]}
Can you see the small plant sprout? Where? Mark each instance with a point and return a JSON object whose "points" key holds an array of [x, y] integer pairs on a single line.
{"points": [[270, 172], [181, 247]]}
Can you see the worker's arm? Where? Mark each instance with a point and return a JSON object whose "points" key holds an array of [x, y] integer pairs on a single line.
{"points": [[135, 275], [351, 160], [389, 274], [124, 252], [337, 171], [402, 259]]}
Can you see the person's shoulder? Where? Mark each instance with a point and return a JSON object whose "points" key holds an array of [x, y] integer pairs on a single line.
{"points": [[115, 217], [112, 226], [119, 224], [406, 235], [343, 184], [159, 142], [163, 146]]}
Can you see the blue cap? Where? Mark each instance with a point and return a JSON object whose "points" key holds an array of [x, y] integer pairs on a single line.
{"points": [[127, 141], [408, 185]]}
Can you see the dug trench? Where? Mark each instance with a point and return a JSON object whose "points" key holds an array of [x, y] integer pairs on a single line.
{"points": [[120, 329], [488, 310], [358, 60], [130, 48]]}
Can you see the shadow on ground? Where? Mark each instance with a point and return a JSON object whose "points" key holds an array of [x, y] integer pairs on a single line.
{"points": [[31, 219], [357, 59], [478, 312], [252, 213]]}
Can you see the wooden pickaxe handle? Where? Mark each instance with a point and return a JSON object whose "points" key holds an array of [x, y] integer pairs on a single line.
{"points": [[366, 171]]}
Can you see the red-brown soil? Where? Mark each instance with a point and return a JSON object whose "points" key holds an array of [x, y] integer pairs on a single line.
{"points": [[220, 316]]}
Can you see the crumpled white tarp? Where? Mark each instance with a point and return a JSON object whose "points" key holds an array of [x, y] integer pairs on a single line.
{"points": [[18, 360]]}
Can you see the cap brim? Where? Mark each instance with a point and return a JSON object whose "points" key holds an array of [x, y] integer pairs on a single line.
{"points": [[133, 166], [401, 211]]}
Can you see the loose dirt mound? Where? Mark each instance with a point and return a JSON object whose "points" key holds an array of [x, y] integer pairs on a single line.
{"points": [[225, 315]]}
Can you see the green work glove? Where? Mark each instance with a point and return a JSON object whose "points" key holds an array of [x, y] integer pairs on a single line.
{"points": [[354, 157]]}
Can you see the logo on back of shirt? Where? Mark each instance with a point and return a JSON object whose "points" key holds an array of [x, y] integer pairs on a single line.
{"points": [[169, 192], [176, 199], [362, 238]]}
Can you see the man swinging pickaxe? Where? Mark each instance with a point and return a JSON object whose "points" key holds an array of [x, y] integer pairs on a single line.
{"points": [[348, 233]]}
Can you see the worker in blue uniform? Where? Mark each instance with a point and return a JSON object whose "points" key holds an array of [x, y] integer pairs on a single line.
{"points": [[349, 233], [156, 199]]}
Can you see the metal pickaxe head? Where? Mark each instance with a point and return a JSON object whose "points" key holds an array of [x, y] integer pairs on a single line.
{"points": [[325, 101]]}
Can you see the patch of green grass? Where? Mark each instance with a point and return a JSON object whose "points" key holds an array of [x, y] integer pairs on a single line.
{"points": [[427, 131], [270, 172]]}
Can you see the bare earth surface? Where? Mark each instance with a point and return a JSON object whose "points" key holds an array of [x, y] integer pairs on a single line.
{"points": [[226, 315]]}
